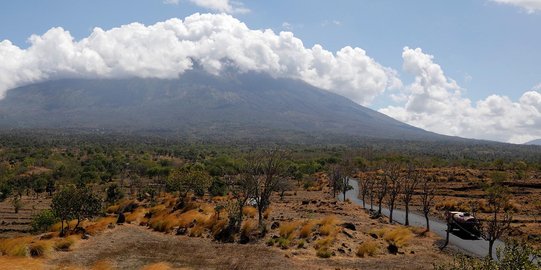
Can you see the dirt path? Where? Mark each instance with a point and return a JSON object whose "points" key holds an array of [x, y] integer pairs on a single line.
{"points": [[132, 247]]}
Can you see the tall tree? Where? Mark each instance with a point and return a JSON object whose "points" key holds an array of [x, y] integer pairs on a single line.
{"points": [[392, 174], [428, 189], [381, 189], [410, 183], [500, 218], [270, 164]]}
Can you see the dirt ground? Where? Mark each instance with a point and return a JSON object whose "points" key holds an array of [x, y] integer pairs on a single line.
{"points": [[132, 246]]}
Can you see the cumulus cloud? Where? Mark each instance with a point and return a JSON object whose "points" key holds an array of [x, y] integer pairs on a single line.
{"points": [[166, 49], [222, 6], [530, 6], [435, 102]]}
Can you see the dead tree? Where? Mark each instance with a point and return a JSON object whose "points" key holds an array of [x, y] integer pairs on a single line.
{"points": [[500, 218], [381, 190], [335, 177], [394, 186], [271, 167], [364, 183], [371, 191], [428, 190], [410, 183]]}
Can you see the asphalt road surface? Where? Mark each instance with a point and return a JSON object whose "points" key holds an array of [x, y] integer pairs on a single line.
{"points": [[462, 241]]}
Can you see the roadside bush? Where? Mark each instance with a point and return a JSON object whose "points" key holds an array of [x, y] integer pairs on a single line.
{"points": [[43, 221]]}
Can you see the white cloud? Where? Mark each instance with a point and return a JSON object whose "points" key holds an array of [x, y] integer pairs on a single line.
{"points": [[171, 2], [225, 6], [530, 6], [166, 49], [435, 102]]}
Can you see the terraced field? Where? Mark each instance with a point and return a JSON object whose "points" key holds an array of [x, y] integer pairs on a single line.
{"points": [[12, 223]]}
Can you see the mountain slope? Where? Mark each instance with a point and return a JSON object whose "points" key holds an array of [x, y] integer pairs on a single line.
{"points": [[534, 142], [234, 104]]}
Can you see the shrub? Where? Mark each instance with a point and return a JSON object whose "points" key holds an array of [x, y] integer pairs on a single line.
{"points": [[323, 253], [39, 248], [300, 244], [398, 236], [65, 244], [287, 229], [157, 266], [249, 211], [113, 193], [136, 216], [248, 227], [15, 246], [307, 229], [283, 243], [43, 221], [368, 248], [218, 187], [325, 242], [112, 209]]}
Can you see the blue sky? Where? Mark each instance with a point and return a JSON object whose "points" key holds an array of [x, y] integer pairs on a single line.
{"points": [[487, 48]]}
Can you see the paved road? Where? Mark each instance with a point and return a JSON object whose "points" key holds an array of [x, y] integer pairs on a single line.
{"points": [[476, 247]]}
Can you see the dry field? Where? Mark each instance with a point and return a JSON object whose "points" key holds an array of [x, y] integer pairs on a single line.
{"points": [[304, 228]]}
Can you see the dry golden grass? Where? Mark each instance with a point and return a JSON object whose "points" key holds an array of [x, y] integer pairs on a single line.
{"points": [[40, 248], [103, 265], [329, 225], [249, 211], [368, 248], [164, 223], [15, 246], [248, 227], [287, 230], [20, 263], [58, 226], [100, 225], [65, 244], [137, 215], [398, 236], [307, 229], [219, 226], [196, 231], [157, 266], [325, 242], [267, 213], [113, 209]]}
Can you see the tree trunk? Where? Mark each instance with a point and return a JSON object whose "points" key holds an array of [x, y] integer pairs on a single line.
{"points": [[490, 246], [379, 208], [446, 237], [427, 222], [407, 223], [260, 215], [345, 191], [364, 203], [391, 215]]}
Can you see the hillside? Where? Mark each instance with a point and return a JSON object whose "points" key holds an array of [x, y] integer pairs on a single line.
{"points": [[238, 105], [534, 142]]}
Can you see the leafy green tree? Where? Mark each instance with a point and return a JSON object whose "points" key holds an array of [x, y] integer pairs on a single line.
{"points": [[75, 203], [113, 193], [185, 180], [43, 221]]}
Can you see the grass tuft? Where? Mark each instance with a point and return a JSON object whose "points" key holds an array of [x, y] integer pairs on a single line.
{"points": [[249, 211], [369, 248]]}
